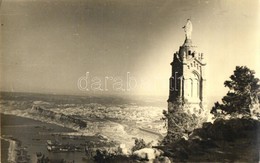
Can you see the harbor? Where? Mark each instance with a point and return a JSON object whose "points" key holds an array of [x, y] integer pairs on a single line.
{"points": [[25, 137]]}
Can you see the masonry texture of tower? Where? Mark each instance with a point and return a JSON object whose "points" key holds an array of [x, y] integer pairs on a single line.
{"points": [[186, 103], [187, 81]]}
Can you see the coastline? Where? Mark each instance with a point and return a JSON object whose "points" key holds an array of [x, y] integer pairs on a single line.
{"points": [[33, 135]]}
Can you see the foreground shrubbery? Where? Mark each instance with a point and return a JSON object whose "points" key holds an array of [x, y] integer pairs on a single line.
{"points": [[105, 157], [182, 125], [140, 152], [181, 121], [139, 144]]}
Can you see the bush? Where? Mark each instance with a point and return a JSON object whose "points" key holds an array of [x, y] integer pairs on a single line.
{"points": [[180, 123], [103, 156], [139, 144]]}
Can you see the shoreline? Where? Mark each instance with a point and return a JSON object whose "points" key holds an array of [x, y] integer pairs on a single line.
{"points": [[28, 133]]}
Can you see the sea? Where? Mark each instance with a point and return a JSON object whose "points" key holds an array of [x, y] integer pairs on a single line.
{"points": [[111, 121]]}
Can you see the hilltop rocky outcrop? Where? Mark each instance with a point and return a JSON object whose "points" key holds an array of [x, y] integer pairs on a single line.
{"points": [[222, 141]]}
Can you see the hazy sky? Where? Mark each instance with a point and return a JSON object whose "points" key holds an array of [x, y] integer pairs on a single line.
{"points": [[47, 45]]}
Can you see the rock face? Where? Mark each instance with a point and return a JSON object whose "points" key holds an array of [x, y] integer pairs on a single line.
{"points": [[235, 140], [65, 119]]}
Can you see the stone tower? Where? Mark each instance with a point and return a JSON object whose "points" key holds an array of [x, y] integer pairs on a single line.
{"points": [[187, 81]]}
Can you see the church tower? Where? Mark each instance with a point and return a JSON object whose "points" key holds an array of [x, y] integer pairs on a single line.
{"points": [[187, 81]]}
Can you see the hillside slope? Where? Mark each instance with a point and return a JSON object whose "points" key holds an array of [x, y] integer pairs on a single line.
{"points": [[235, 140]]}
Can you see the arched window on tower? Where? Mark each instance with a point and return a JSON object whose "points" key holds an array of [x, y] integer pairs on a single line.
{"points": [[189, 87], [195, 86]]}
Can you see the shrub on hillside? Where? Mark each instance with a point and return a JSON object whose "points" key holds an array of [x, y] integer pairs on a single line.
{"points": [[180, 123], [140, 144]]}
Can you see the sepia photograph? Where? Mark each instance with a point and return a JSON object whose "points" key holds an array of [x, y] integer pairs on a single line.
{"points": [[129, 81]]}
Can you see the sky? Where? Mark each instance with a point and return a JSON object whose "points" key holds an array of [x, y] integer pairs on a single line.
{"points": [[54, 46]]}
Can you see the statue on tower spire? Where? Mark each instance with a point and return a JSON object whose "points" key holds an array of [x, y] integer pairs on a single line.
{"points": [[188, 29]]}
